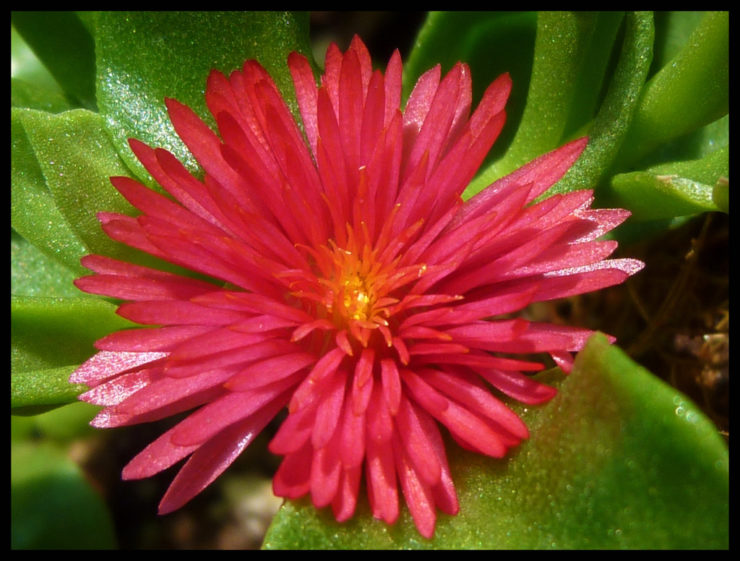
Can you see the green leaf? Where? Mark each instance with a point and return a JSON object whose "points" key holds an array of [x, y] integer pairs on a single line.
{"points": [[721, 194], [672, 30], [674, 189], [66, 49], [54, 332], [708, 169], [689, 92], [143, 57], [617, 459], [49, 338], [77, 160], [561, 49], [33, 211], [52, 506], [32, 273], [571, 54], [693, 146], [36, 391], [25, 65], [26, 94], [610, 126]]}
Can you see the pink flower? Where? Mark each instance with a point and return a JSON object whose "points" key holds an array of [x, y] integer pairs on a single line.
{"points": [[351, 284]]}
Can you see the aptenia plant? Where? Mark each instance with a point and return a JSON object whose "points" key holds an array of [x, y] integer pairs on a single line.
{"points": [[617, 459]]}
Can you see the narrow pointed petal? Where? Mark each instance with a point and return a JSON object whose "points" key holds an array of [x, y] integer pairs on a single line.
{"points": [[212, 458], [542, 173], [418, 494], [107, 364], [326, 472], [306, 94], [345, 500]]}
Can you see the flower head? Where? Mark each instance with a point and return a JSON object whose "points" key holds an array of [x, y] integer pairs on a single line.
{"points": [[349, 283]]}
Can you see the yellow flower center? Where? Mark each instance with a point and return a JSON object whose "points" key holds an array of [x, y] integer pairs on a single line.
{"points": [[356, 300], [352, 288]]}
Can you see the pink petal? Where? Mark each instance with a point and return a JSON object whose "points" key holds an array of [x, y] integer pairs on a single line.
{"points": [[563, 359], [381, 480], [177, 181], [293, 478], [177, 313], [418, 495], [351, 98], [391, 384], [325, 367], [542, 173], [329, 410], [345, 500], [444, 493], [118, 416], [393, 85], [138, 288], [212, 458], [163, 391], [294, 432], [231, 408], [362, 382], [306, 94], [352, 436], [517, 385], [461, 422], [106, 364], [326, 471], [127, 230], [157, 456], [119, 388], [444, 106], [589, 278], [269, 370], [418, 445], [465, 390], [150, 339], [419, 103], [201, 141]]}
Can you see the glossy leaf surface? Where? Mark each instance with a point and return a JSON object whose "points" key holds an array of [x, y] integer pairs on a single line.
{"points": [[143, 57]]}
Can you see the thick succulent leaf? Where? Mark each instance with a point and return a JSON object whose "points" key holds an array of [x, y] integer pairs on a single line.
{"points": [[564, 47], [51, 332], [689, 92], [32, 273], [611, 124], [37, 391], [674, 189], [26, 66], [66, 49], [52, 505], [617, 459], [33, 211], [672, 28], [77, 160], [693, 146], [571, 56], [143, 57], [49, 337], [27, 94]]}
